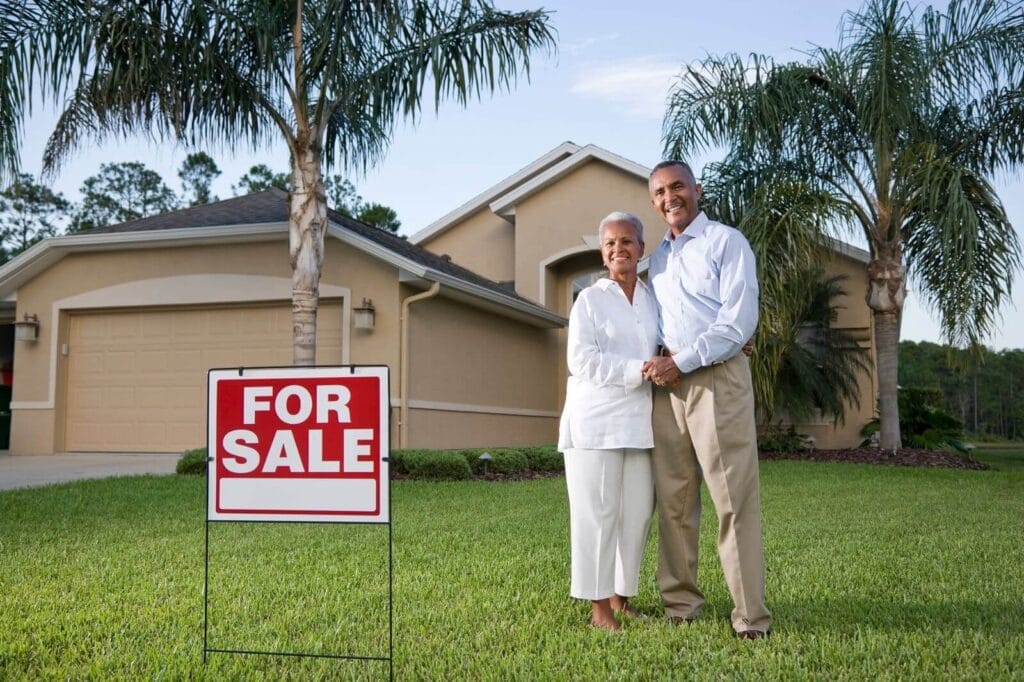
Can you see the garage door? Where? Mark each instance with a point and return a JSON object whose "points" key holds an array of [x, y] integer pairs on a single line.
{"points": [[137, 380]]}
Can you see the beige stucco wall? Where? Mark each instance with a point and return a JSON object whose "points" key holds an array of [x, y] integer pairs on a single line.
{"points": [[482, 242], [189, 275], [446, 430], [465, 365], [556, 219]]}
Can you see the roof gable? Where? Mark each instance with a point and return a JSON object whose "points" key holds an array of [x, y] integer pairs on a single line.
{"points": [[482, 200]]}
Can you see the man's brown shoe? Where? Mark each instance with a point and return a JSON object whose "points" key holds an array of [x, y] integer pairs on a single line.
{"points": [[680, 620]]}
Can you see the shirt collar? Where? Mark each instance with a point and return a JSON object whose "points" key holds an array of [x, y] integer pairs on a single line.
{"points": [[606, 283], [696, 228]]}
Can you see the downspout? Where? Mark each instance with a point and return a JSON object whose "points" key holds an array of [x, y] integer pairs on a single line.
{"points": [[403, 359]]}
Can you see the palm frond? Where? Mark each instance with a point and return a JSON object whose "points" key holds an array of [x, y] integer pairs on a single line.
{"points": [[961, 249]]}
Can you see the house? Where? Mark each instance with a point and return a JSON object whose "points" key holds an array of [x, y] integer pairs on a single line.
{"points": [[132, 316], [469, 314], [536, 231]]}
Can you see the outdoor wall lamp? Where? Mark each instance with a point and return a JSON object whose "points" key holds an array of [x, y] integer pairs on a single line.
{"points": [[364, 315], [27, 329]]}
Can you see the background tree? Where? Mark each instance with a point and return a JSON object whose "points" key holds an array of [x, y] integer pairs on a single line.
{"points": [[121, 192], [984, 390], [898, 132], [344, 199], [29, 212], [380, 216], [328, 77], [259, 178], [342, 195], [197, 173]]}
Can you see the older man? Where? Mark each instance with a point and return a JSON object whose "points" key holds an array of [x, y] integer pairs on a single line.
{"points": [[704, 279]]}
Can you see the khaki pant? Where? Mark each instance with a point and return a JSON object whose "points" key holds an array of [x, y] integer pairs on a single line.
{"points": [[704, 428]]}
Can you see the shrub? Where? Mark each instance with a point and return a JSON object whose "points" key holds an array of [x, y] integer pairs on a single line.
{"points": [[192, 462], [503, 460], [544, 458], [507, 461], [778, 439], [433, 465], [923, 422]]}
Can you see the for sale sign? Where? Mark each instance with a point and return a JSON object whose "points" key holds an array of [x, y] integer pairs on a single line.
{"points": [[299, 444]]}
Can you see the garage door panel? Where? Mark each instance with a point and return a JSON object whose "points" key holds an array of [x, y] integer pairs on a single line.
{"points": [[158, 327], [188, 360], [137, 380], [123, 326], [120, 362], [154, 357]]}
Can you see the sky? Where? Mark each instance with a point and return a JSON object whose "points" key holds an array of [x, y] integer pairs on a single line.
{"points": [[606, 85]]}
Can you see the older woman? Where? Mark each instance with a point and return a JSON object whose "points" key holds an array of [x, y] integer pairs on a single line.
{"points": [[605, 430]]}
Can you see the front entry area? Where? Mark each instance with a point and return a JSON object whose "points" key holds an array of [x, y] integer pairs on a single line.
{"points": [[136, 380]]}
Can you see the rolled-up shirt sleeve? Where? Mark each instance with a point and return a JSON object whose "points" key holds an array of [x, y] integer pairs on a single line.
{"points": [[586, 358]]}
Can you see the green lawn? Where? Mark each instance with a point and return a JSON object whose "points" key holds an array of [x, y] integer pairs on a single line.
{"points": [[1003, 458], [873, 573]]}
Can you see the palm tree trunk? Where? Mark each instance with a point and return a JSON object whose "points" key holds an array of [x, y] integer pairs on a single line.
{"points": [[887, 291], [307, 221], [887, 343]]}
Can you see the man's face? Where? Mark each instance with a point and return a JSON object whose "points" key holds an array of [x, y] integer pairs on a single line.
{"points": [[675, 195]]}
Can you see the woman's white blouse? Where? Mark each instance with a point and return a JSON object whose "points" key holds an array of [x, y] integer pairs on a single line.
{"points": [[607, 402]]}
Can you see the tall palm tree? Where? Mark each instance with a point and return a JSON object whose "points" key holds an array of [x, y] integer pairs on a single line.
{"points": [[329, 77], [898, 132]]}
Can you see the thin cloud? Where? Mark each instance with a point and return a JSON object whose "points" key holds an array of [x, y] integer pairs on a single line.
{"points": [[640, 85], [586, 43]]}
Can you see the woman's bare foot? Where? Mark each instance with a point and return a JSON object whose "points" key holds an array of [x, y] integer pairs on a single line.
{"points": [[621, 606], [602, 616]]}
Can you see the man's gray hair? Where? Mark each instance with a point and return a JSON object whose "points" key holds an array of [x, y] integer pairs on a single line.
{"points": [[622, 217]]}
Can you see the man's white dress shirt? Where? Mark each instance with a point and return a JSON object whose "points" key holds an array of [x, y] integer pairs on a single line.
{"points": [[607, 402], [705, 281]]}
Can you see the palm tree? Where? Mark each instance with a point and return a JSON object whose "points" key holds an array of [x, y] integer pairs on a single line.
{"points": [[329, 77], [820, 365], [803, 364], [897, 132]]}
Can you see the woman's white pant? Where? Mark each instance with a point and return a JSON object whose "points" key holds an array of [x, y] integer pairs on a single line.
{"points": [[611, 499]]}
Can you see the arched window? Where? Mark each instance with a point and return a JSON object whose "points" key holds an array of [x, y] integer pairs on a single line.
{"points": [[584, 281]]}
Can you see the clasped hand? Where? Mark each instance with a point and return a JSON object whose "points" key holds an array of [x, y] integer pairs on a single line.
{"points": [[662, 371]]}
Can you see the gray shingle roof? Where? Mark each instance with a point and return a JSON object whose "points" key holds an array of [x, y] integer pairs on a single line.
{"points": [[271, 206]]}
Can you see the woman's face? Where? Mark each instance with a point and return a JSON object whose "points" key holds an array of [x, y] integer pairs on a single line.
{"points": [[621, 249]]}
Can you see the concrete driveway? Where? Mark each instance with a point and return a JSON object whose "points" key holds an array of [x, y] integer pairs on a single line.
{"points": [[35, 470]]}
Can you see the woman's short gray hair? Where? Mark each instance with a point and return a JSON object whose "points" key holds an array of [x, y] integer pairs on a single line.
{"points": [[622, 217]]}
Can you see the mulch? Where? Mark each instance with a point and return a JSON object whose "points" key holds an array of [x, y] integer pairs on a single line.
{"points": [[905, 457]]}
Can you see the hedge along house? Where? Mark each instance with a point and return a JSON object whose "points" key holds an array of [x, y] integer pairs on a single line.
{"points": [[536, 231], [132, 316]]}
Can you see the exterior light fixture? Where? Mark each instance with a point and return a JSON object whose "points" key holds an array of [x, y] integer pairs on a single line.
{"points": [[485, 459], [364, 315], [27, 329]]}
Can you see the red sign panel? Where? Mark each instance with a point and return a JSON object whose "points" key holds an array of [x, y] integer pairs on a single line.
{"points": [[299, 444]]}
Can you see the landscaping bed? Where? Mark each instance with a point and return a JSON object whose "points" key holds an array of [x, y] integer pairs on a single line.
{"points": [[905, 457]]}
